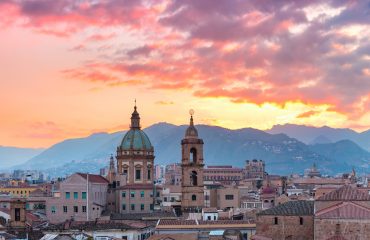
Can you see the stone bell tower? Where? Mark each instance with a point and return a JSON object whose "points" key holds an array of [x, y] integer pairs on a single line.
{"points": [[192, 170]]}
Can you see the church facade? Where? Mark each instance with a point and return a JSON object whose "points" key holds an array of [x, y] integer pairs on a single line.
{"points": [[132, 189]]}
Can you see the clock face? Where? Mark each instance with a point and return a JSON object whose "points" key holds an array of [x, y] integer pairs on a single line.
{"points": [[191, 111]]}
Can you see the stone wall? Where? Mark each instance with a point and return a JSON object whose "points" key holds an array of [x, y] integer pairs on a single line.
{"points": [[348, 228], [287, 227]]}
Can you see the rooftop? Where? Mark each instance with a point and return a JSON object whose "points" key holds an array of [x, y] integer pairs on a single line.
{"points": [[345, 193], [93, 178], [291, 208], [345, 210]]}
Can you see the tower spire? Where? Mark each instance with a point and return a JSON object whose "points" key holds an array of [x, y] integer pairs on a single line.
{"points": [[135, 118]]}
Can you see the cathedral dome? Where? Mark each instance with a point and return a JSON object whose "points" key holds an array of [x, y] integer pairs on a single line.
{"points": [[136, 139]]}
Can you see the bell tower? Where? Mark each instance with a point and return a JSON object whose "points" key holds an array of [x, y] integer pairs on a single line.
{"points": [[192, 169]]}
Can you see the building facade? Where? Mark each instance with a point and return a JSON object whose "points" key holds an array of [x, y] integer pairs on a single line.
{"points": [[132, 189], [226, 175], [192, 170], [82, 197], [255, 169]]}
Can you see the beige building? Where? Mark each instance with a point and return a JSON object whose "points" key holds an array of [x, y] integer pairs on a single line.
{"points": [[255, 169], [226, 175], [82, 197]]}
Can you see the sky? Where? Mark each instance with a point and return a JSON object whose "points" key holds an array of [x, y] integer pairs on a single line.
{"points": [[72, 68]]}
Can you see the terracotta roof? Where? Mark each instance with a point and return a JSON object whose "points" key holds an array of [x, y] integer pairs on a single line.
{"points": [[345, 193], [345, 210], [141, 216], [175, 236], [100, 225], [177, 222], [94, 178], [210, 210], [291, 208], [221, 222], [138, 186]]}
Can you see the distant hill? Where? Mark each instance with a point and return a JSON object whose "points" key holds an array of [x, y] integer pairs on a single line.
{"points": [[344, 151], [283, 154], [310, 135], [10, 156]]}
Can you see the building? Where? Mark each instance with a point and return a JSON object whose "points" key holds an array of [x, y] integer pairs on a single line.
{"points": [[173, 174], [342, 214], [226, 175], [228, 197], [290, 220], [133, 187], [81, 197], [204, 228], [192, 170], [159, 172], [255, 169], [105, 230], [19, 191], [313, 172]]}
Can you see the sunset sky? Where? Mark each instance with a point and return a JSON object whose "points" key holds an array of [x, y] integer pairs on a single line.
{"points": [[71, 68]]}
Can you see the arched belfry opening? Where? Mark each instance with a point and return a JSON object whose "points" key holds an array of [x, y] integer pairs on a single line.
{"points": [[194, 178], [193, 155]]}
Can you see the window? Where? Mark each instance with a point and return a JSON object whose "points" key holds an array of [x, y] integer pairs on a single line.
{"points": [[18, 213], [276, 221], [124, 207], [53, 210], [75, 195], [142, 207], [125, 171], [209, 217], [193, 155], [149, 173], [83, 195], [229, 197], [123, 194], [142, 194], [301, 220], [151, 207], [194, 178], [65, 209], [133, 194], [157, 194], [68, 195], [165, 199], [83, 208], [138, 174], [133, 207], [75, 209], [194, 197]]}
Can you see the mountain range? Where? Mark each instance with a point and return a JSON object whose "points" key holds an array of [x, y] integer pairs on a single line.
{"points": [[10, 156], [285, 148]]}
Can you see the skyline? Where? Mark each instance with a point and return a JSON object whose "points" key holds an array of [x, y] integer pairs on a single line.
{"points": [[72, 68]]}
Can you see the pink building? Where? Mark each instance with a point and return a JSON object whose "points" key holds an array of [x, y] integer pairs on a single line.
{"points": [[81, 197]]}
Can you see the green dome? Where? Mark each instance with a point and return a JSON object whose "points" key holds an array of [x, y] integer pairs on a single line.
{"points": [[136, 139]]}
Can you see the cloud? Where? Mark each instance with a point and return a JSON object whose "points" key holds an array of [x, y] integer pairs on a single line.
{"points": [[308, 114], [164, 103], [249, 51]]}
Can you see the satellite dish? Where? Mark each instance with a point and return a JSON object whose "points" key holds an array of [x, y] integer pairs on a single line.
{"points": [[191, 112]]}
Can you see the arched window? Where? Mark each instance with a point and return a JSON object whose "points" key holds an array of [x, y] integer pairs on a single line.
{"points": [[193, 197], [193, 155], [194, 178]]}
